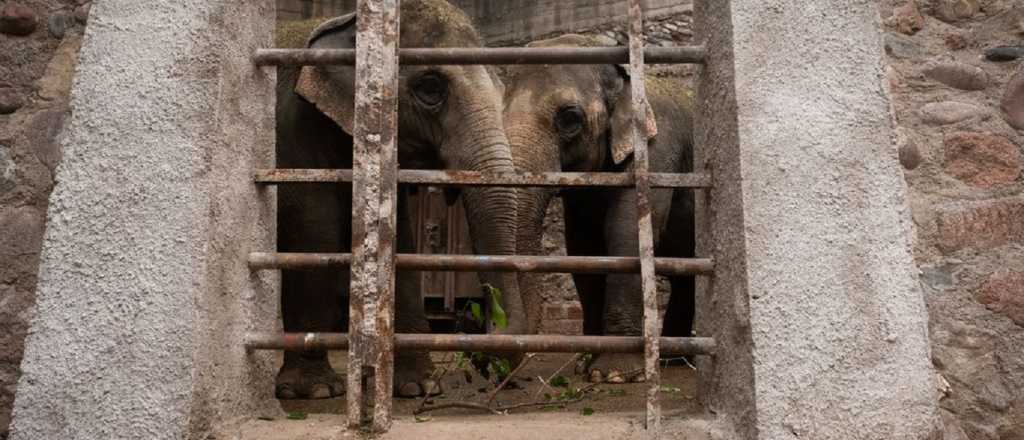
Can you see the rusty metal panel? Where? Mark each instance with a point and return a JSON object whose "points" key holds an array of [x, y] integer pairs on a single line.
{"points": [[374, 188], [476, 178], [651, 326], [484, 343], [485, 55], [489, 263]]}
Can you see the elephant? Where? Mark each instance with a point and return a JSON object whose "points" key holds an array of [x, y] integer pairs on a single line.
{"points": [[578, 118], [449, 118]]}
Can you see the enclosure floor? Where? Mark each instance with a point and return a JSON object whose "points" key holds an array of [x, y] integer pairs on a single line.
{"points": [[617, 410]]}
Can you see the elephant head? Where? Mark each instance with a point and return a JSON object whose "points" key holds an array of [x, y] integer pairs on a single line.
{"points": [[564, 118], [449, 118]]}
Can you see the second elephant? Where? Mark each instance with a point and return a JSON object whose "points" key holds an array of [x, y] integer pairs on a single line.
{"points": [[578, 118]]}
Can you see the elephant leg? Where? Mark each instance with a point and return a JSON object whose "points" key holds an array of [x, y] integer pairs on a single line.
{"points": [[623, 306], [584, 235], [412, 368], [679, 241], [311, 219]]}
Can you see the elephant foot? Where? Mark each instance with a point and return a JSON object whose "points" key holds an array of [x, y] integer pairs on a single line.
{"points": [[616, 368], [412, 375], [305, 378]]}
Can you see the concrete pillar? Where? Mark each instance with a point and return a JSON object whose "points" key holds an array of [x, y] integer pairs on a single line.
{"points": [[815, 303], [144, 293]]}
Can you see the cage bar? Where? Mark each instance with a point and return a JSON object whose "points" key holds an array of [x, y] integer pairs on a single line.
{"points": [[488, 263], [485, 55], [374, 188], [485, 343], [476, 178], [651, 327]]}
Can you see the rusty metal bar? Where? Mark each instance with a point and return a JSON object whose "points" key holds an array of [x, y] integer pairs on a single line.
{"points": [[489, 263], [476, 178], [374, 188], [491, 343], [651, 324], [485, 55]]}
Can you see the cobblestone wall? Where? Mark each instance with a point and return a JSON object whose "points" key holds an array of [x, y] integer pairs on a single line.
{"points": [[960, 114]]}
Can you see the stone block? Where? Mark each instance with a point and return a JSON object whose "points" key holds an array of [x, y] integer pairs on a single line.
{"points": [[984, 226], [144, 294], [981, 159], [819, 316]]}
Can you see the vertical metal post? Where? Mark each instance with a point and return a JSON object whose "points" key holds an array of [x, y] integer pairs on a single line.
{"points": [[645, 228], [374, 171]]}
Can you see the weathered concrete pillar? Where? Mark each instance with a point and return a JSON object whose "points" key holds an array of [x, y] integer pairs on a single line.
{"points": [[815, 303], [143, 292]]}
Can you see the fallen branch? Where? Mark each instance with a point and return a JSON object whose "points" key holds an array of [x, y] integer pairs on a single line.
{"points": [[466, 405], [526, 360], [574, 357]]}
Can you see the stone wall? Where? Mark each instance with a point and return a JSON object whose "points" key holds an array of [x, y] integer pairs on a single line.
{"points": [[500, 22], [960, 115], [39, 42]]}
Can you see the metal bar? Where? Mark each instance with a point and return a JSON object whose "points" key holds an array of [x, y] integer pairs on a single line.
{"points": [[485, 55], [651, 326], [374, 188], [491, 343], [488, 263], [476, 178]]}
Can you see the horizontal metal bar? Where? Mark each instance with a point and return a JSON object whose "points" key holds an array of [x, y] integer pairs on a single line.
{"points": [[485, 55], [475, 178], [486, 343], [489, 263]]}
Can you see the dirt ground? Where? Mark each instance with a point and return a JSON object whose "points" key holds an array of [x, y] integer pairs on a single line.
{"points": [[605, 411]]}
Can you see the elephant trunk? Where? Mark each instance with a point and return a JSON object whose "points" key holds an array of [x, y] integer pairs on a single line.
{"points": [[530, 155], [490, 211]]}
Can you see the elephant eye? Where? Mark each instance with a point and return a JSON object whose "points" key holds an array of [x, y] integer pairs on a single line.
{"points": [[569, 121], [430, 89]]}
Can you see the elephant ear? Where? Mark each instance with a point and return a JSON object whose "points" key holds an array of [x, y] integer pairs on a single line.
{"points": [[621, 139], [331, 88]]}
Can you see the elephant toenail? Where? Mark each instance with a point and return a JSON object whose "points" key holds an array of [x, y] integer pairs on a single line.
{"points": [[320, 391]]}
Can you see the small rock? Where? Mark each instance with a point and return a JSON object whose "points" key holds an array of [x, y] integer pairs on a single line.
{"points": [[903, 47], [910, 156], [82, 12], [982, 160], [17, 19], [956, 41], [10, 101], [1004, 53], [958, 75], [907, 19], [1013, 101], [956, 10], [949, 112], [58, 24]]}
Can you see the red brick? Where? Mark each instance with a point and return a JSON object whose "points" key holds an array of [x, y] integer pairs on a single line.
{"points": [[1003, 293], [982, 160], [988, 226], [553, 312], [907, 19], [574, 311]]}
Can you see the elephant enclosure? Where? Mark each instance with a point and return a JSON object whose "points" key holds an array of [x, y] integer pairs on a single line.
{"points": [[617, 409]]}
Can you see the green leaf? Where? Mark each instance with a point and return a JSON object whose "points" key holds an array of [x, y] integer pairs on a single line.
{"points": [[460, 360], [587, 411], [559, 381], [478, 314], [297, 415], [498, 316], [617, 392], [668, 389], [421, 419]]}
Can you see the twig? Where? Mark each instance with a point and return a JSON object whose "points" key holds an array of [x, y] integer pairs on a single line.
{"points": [[559, 370], [526, 360], [467, 405], [437, 382]]}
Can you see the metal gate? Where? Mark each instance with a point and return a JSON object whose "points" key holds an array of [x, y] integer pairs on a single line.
{"points": [[371, 340]]}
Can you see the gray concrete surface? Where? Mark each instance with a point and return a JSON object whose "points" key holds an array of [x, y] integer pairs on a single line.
{"points": [[143, 290], [810, 229]]}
